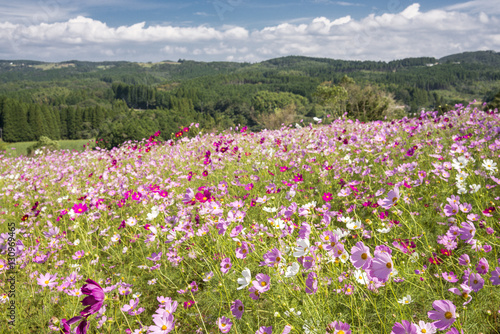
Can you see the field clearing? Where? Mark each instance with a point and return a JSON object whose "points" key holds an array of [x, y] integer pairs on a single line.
{"points": [[20, 148], [335, 227]]}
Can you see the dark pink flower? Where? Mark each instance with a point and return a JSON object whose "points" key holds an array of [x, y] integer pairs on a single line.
{"points": [[94, 299]]}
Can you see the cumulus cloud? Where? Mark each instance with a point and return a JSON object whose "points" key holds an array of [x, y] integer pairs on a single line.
{"points": [[410, 32]]}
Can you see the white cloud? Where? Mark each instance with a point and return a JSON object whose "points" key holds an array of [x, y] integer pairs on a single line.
{"points": [[410, 32]]}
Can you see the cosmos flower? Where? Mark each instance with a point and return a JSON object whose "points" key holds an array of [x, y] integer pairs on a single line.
{"points": [[224, 324], [237, 309], [163, 325], [444, 313], [261, 283], [381, 266], [245, 280], [405, 327], [94, 299], [360, 256]]}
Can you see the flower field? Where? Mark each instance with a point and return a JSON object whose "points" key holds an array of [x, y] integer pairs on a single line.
{"points": [[333, 227]]}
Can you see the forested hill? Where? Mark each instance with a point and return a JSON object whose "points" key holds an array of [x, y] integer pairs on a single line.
{"points": [[121, 100]]}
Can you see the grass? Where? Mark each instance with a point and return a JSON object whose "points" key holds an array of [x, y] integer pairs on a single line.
{"points": [[20, 148]]}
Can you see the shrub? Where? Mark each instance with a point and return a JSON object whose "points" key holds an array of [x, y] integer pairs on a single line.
{"points": [[43, 143]]}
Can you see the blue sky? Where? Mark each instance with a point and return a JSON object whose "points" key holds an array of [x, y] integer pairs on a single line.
{"points": [[243, 30]]}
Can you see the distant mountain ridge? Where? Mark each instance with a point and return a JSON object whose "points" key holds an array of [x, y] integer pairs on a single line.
{"points": [[491, 58]]}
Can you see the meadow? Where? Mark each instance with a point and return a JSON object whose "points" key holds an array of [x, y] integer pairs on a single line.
{"points": [[334, 227], [21, 148]]}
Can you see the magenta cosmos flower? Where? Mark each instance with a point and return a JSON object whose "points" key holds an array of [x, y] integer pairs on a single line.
{"points": [[381, 266], [327, 197], [360, 256], [444, 313], [94, 299], [80, 208], [224, 324]]}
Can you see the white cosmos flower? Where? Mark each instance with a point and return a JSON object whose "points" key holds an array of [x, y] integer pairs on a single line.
{"points": [[245, 280], [353, 225], [153, 214], [76, 242], [474, 188], [341, 234], [266, 209], [344, 257], [405, 300], [292, 270], [302, 248], [361, 277], [490, 165], [384, 230], [278, 224]]}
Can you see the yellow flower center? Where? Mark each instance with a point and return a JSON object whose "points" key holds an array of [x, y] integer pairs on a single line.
{"points": [[46, 282], [364, 256], [388, 265], [263, 283], [448, 315], [163, 327]]}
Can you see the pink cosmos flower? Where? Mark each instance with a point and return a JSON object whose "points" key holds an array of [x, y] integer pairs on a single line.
{"points": [[237, 309], [381, 266], [360, 256], [225, 265], [467, 231], [464, 260], [405, 327], [426, 327], [164, 324], [495, 276], [224, 324], [312, 283], [390, 200], [254, 293], [338, 327], [475, 281], [261, 283], [450, 277], [264, 330], [444, 313], [482, 266], [47, 280], [130, 306], [464, 293], [271, 258], [78, 255]]}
